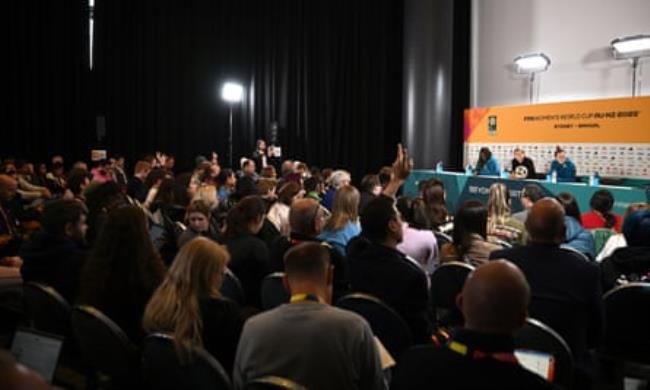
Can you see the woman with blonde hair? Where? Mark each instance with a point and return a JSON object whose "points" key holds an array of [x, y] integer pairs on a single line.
{"points": [[189, 306], [208, 194], [501, 224], [343, 224]]}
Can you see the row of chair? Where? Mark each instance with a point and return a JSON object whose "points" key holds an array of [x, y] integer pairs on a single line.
{"points": [[115, 362]]}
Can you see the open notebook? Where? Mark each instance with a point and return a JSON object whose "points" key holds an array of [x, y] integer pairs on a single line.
{"points": [[37, 350]]}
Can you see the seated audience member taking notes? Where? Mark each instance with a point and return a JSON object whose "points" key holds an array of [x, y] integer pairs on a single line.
{"points": [[522, 166], [565, 289], [308, 341], [563, 167], [188, 303], [487, 164], [480, 355]]}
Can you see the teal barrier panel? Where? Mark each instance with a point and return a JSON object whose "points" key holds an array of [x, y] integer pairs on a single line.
{"points": [[460, 188]]}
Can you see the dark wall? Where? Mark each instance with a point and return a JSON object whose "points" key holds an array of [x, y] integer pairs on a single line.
{"points": [[328, 71]]}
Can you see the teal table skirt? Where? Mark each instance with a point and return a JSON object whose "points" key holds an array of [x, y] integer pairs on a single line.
{"points": [[460, 188]]}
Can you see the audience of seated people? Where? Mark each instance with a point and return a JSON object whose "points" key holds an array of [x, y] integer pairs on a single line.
{"points": [[337, 179], [601, 216], [630, 263], [617, 240], [378, 268], [249, 255], [501, 224], [432, 192], [470, 244], [307, 219], [343, 224], [566, 292], [188, 303], [197, 217], [56, 255], [278, 214], [307, 340], [369, 189], [480, 355], [120, 269], [418, 242], [576, 236], [530, 194]]}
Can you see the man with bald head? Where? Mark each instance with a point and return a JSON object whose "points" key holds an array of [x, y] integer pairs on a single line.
{"points": [[480, 355], [306, 220], [565, 289]]}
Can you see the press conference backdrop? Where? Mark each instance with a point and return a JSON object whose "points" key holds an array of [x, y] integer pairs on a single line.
{"points": [[610, 136]]}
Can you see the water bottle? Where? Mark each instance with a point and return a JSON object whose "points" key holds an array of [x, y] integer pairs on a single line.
{"points": [[439, 167], [591, 179], [504, 172], [468, 170], [596, 179], [554, 177]]}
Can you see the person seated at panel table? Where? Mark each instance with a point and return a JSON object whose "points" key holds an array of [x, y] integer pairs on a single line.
{"points": [[563, 166], [487, 164], [522, 166]]}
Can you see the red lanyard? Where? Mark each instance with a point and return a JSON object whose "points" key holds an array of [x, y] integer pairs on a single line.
{"points": [[462, 349]]}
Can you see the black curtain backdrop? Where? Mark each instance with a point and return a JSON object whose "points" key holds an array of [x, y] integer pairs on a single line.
{"points": [[328, 71], [45, 53]]}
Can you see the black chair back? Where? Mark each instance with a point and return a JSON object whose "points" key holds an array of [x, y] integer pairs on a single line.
{"points": [[273, 292], [46, 309], [627, 322], [231, 288], [271, 382], [104, 346], [446, 283], [164, 370], [536, 336], [385, 322]]}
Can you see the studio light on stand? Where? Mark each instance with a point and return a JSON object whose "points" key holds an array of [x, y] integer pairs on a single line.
{"points": [[232, 93], [632, 48], [531, 64]]}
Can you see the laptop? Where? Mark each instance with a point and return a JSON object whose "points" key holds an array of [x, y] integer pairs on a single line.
{"points": [[37, 350]]}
